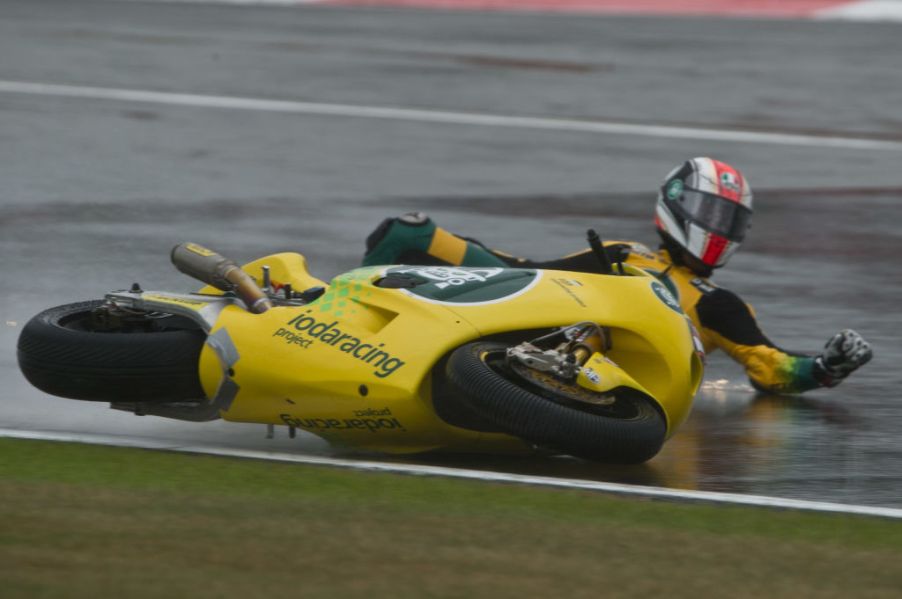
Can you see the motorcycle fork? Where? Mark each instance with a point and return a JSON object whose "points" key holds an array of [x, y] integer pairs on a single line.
{"points": [[564, 352]]}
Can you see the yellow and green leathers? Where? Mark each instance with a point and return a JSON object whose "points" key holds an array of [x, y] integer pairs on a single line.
{"points": [[723, 320]]}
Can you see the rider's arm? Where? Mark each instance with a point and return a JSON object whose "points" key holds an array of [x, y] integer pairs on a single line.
{"points": [[731, 325]]}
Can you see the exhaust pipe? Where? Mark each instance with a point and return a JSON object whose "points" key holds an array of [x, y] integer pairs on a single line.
{"points": [[213, 269]]}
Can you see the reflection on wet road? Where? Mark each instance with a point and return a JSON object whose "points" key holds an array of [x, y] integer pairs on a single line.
{"points": [[96, 192]]}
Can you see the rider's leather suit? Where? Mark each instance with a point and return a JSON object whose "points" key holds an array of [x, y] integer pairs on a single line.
{"points": [[722, 318]]}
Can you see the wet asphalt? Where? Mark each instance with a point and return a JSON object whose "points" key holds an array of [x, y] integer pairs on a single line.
{"points": [[95, 192]]}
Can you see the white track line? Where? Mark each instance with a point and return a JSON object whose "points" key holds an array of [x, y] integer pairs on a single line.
{"points": [[854, 10], [865, 10], [421, 470], [445, 117]]}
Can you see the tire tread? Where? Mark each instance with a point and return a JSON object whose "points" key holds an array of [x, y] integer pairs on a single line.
{"points": [[78, 364], [547, 423]]}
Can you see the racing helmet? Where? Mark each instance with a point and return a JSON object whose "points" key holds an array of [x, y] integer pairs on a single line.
{"points": [[705, 208]]}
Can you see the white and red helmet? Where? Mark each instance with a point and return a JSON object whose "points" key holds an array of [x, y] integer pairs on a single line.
{"points": [[705, 207]]}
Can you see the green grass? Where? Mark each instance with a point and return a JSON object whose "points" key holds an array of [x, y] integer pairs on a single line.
{"points": [[86, 521]]}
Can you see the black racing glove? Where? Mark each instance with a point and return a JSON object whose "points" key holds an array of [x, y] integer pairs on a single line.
{"points": [[844, 353]]}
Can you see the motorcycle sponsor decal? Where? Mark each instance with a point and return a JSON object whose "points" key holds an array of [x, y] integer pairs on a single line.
{"points": [[304, 330], [169, 299], [662, 277], [465, 286], [666, 297], [372, 412], [565, 285], [570, 282], [703, 285], [343, 291], [592, 375], [696, 340], [293, 339], [320, 425], [199, 250]]}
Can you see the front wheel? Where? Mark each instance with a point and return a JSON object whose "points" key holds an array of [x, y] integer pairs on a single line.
{"points": [[74, 351], [631, 430]]}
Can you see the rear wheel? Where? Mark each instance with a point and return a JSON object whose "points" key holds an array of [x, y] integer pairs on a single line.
{"points": [[79, 351], [629, 429]]}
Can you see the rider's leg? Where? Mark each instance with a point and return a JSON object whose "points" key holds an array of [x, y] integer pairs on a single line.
{"points": [[413, 238]]}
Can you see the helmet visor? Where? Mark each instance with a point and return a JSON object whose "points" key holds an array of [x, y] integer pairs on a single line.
{"points": [[716, 214]]}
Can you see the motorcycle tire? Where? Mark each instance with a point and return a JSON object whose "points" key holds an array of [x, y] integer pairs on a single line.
{"points": [[60, 353], [632, 433]]}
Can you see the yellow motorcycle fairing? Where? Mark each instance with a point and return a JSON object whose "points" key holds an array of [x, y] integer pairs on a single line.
{"points": [[355, 366]]}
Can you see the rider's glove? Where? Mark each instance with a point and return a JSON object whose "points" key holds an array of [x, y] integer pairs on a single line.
{"points": [[845, 352]]}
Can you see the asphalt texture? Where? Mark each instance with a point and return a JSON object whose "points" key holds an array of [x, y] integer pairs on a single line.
{"points": [[94, 192]]}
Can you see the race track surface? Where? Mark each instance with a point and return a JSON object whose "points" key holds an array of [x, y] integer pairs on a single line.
{"points": [[97, 187]]}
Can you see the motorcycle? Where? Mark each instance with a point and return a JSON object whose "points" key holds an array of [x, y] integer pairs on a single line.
{"points": [[396, 359]]}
